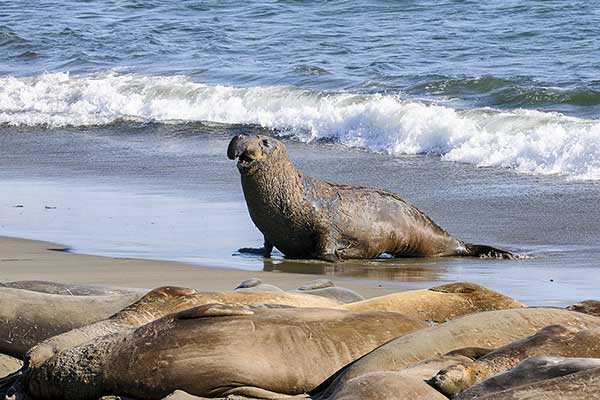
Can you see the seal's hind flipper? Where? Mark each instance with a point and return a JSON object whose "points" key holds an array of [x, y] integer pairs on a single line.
{"points": [[483, 251]]}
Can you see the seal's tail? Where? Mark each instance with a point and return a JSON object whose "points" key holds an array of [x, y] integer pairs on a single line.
{"points": [[483, 251]]}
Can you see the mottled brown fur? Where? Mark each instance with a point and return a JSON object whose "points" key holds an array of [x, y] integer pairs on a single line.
{"points": [[306, 217]]}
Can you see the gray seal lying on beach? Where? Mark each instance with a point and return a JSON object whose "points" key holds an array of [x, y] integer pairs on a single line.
{"points": [[319, 287], [216, 350], [440, 303], [70, 289], [30, 317], [9, 365], [553, 340], [591, 307], [326, 288], [532, 369], [162, 301], [488, 329], [308, 218], [256, 285]]}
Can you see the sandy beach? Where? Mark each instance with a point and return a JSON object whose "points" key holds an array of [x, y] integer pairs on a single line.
{"points": [[35, 260], [168, 195]]}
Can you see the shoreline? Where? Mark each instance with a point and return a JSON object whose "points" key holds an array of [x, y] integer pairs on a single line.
{"points": [[25, 259]]}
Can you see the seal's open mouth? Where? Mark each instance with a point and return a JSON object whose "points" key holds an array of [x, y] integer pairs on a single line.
{"points": [[245, 161]]}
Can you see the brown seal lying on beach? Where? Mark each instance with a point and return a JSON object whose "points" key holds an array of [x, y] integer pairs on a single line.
{"points": [[488, 329], [553, 340], [583, 385], [216, 350], [9, 365], [326, 288], [162, 301], [440, 303], [319, 287], [407, 384], [591, 307], [308, 218], [28, 317], [532, 369]]}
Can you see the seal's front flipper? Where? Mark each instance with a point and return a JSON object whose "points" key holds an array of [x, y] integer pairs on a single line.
{"points": [[259, 251], [264, 251], [483, 251]]}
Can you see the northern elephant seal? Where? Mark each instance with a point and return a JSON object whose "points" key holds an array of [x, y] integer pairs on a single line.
{"points": [[591, 307], [532, 369], [29, 317], [583, 385], [326, 288], [440, 303], [308, 218], [490, 329], [256, 285], [162, 301], [70, 289], [407, 384], [216, 350], [552, 340], [9, 365]]}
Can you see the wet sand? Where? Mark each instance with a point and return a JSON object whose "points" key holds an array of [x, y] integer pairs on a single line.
{"points": [[167, 192], [22, 259]]}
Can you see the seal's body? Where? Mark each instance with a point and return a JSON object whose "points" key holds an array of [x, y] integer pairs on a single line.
{"points": [[308, 218]]}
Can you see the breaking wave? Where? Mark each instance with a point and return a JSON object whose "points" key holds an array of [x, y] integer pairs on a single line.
{"points": [[527, 141]]}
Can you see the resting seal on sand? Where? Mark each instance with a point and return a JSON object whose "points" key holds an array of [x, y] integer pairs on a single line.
{"points": [[407, 384], [308, 218], [533, 369], [217, 350], [438, 304], [553, 340], [70, 289], [326, 288], [591, 307], [486, 330], [162, 301], [583, 385], [29, 317]]}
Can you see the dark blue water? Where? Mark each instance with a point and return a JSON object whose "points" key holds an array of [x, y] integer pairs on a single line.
{"points": [[534, 54], [512, 84]]}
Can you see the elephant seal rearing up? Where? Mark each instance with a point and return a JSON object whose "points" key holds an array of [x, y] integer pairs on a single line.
{"points": [[308, 218]]}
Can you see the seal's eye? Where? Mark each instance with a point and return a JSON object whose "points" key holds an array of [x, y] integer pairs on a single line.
{"points": [[267, 143]]}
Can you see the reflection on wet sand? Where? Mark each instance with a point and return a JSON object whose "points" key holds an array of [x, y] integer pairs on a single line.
{"points": [[405, 270]]}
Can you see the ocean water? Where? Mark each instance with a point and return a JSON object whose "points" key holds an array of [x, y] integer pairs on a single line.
{"points": [[484, 114], [512, 84]]}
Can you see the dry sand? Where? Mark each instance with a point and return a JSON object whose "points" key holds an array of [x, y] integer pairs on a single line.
{"points": [[22, 259]]}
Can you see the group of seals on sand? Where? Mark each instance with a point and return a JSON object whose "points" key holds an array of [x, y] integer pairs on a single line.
{"points": [[319, 287], [458, 341], [305, 217]]}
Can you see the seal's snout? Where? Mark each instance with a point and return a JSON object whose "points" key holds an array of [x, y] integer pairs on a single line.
{"points": [[236, 146]]}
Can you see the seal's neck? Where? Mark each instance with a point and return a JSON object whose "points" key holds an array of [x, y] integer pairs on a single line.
{"points": [[274, 189]]}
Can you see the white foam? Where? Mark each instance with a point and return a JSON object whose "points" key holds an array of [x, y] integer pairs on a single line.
{"points": [[528, 141]]}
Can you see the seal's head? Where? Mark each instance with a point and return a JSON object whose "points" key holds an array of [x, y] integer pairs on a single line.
{"points": [[452, 380], [255, 152]]}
